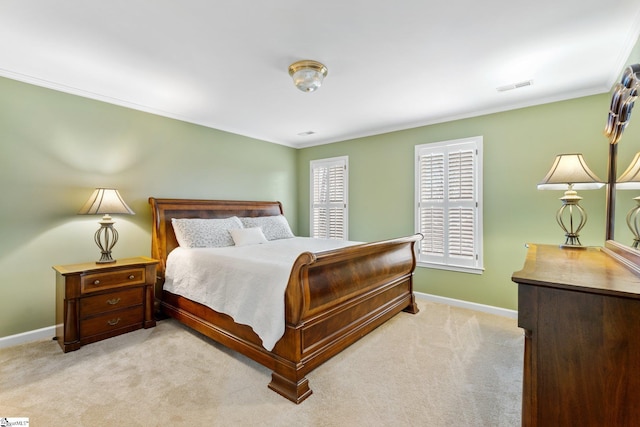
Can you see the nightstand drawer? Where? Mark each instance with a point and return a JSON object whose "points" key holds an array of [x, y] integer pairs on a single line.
{"points": [[103, 303], [110, 279], [111, 321]]}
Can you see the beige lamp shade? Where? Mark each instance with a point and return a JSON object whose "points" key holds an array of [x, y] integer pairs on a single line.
{"points": [[570, 170], [105, 201], [630, 178]]}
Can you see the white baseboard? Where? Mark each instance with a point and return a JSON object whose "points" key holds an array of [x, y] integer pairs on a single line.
{"points": [[36, 335], [513, 314]]}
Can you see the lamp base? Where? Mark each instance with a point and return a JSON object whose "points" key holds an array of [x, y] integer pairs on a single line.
{"points": [[105, 259], [106, 238], [571, 218], [633, 221], [572, 247]]}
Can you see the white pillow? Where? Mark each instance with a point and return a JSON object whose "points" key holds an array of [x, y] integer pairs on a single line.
{"points": [[274, 227], [205, 233], [248, 236]]}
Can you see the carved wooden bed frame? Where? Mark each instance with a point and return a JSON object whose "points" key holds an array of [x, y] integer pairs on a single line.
{"points": [[332, 299]]}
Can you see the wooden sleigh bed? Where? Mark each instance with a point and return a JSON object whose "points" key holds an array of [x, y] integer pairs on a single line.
{"points": [[332, 298]]}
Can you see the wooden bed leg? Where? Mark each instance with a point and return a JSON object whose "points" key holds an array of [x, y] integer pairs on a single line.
{"points": [[412, 307], [295, 392]]}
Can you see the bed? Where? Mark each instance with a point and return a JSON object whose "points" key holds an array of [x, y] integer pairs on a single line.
{"points": [[332, 298]]}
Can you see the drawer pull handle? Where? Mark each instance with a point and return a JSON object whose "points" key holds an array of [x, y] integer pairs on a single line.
{"points": [[113, 322], [96, 282], [113, 301], [132, 277]]}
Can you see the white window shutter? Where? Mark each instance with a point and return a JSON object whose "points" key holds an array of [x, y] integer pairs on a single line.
{"points": [[329, 185], [448, 203], [432, 209]]}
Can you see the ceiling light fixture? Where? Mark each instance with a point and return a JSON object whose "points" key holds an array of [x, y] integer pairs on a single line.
{"points": [[307, 74]]}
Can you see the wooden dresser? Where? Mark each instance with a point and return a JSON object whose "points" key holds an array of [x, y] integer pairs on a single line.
{"points": [[98, 301], [580, 311]]}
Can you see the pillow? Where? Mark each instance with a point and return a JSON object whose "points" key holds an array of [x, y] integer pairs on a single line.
{"points": [[274, 227], [247, 236], [205, 233]]}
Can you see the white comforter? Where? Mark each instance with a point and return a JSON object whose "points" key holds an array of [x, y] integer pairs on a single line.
{"points": [[246, 282]]}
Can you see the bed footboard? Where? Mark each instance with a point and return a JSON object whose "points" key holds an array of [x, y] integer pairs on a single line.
{"points": [[336, 297]]}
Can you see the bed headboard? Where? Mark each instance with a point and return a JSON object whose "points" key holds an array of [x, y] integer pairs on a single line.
{"points": [[163, 239]]}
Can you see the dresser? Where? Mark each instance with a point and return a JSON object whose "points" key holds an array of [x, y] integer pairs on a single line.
{"points": [[98, 301], [580, 311]]}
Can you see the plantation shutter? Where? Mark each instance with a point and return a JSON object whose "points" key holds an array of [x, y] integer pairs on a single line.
{"points": [[448, 203], [329, 198]]}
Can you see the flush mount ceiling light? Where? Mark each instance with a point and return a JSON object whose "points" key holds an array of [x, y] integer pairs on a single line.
{"points": [[307, 75]]}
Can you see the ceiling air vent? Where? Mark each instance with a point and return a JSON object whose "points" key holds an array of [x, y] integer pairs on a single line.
{"points": [[514, 86]]}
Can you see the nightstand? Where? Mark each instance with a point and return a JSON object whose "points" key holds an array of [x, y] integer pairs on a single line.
{"points": [[98, 301]]}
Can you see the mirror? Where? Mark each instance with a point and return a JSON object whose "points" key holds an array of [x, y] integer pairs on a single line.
{"points": [[626, 192], [624, 95]]}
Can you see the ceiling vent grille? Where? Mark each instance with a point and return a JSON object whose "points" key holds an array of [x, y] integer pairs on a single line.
{"points": [[514, 86]]}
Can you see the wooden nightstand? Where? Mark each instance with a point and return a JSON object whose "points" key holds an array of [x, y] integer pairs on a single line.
{"points": [[98, 301]]}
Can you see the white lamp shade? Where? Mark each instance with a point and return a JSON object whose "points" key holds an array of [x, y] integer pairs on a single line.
{"points": [[630, 178], [105, 201], [570, 170]]}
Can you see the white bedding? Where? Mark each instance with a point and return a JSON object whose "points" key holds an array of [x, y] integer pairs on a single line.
{"points": [[246, 283]]}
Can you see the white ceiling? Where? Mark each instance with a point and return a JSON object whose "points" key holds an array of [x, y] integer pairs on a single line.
{"points": [[392, 65]]}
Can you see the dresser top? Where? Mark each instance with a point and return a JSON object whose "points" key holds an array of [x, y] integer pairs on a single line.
{"points": [[588, 269], [93, 266]]}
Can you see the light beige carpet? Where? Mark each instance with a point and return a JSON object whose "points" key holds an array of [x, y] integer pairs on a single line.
{"points": [[444, 366]]}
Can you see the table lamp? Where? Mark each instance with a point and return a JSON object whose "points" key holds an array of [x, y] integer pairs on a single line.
{"points": [[570, 172], [630, 180], [106, 201]]}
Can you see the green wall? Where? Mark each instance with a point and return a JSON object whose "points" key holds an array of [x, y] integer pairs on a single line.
{"points": [[56, 148], [519, 147]]}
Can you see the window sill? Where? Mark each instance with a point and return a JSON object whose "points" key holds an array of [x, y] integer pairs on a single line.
{"points": [[456, 268]]}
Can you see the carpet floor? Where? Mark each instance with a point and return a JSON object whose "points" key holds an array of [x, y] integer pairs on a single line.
{"points": [[444, 366]]}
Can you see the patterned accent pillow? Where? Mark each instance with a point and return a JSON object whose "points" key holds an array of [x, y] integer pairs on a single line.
{"points": [[274, 227], [205, 233]]}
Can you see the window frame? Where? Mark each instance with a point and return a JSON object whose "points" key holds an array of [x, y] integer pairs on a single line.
{"points": [[448, 260], [341, 161]]}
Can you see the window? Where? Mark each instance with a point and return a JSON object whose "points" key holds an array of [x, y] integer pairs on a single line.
{"points": [[329, 184], [449, 204]]}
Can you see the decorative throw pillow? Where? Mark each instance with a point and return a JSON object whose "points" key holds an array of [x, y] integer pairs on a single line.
{"points": [[205, 233], [274, 227], [248, 236]]}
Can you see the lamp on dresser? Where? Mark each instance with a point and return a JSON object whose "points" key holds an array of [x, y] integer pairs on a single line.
{"points": [[570, 172], [106, 201], [630, 180]]}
